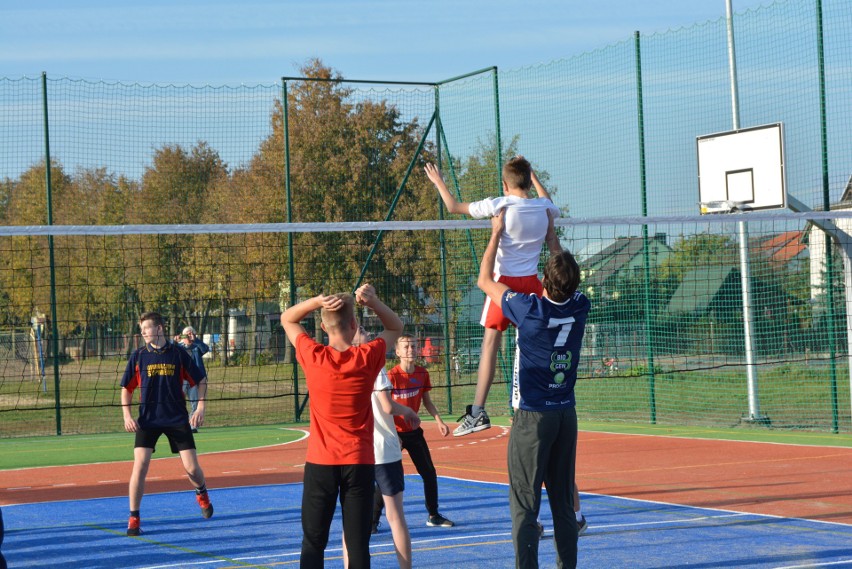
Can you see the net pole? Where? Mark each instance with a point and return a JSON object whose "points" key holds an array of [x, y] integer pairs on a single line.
{"points": [[291, 270], [54, 325], [826, 200], [646, 252]]}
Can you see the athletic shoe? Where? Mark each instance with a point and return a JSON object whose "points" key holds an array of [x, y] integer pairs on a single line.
{"points": [[204, 502], [471, 424], [540, 530], [133, 528], [375, 528], [195, 430], [438, 520], [582, 525]]}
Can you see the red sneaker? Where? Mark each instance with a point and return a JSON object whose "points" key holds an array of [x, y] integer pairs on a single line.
{"points": [[133, 526], [204, 502]]}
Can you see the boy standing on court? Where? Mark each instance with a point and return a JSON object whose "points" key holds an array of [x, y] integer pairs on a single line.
{"points": [[411, 386], [159, 369], [516, 263], [340, 379], [543, 439]]}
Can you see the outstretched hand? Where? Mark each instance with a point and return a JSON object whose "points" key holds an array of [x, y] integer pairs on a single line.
{"points": [[434, 174]]}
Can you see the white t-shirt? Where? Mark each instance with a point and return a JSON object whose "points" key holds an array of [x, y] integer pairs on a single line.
{"points": [[526, 228], [386, 445]]}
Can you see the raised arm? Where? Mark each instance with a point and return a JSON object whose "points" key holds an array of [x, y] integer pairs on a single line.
{"points": [[552, 239], [292, 317], [452, 205], [366, 296], [539, 189], [486, 282]]}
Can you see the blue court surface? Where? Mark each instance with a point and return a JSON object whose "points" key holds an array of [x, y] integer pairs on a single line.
{"points": [[260, 527]]}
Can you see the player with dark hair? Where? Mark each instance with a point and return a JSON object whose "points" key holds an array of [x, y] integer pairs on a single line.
{"points": [[543, 440], [159, 369]]}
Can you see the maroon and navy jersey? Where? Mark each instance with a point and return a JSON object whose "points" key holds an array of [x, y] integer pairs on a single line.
{"points": [[549, 338], [159, 374]]}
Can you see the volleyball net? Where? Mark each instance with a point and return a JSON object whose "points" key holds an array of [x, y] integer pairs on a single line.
{"points": [[666, 341]]}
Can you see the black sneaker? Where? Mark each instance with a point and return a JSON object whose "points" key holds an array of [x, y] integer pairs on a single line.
{"points": [[439, 521], [470, 424], [375, 529], [540, 530], [582, 526]]}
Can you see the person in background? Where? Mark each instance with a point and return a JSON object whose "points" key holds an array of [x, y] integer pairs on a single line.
{"points": [[190, 341]]}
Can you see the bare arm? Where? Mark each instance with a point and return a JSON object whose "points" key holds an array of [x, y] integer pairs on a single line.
{"points": [[366, 296], [453, 205], [486, 282], [432, 410], [197, 419], [130, 424], [392, 408], [539, 188], [552, 239], [292, 317]]}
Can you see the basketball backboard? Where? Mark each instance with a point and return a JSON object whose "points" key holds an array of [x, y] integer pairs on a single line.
{"points": [[742, 170]]}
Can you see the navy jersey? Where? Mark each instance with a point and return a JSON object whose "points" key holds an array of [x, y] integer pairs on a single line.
{"points": [[549, 338], [160, 373]]}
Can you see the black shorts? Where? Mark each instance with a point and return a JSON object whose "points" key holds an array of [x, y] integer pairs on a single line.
{"points": [[390, 478], [180, 438]]}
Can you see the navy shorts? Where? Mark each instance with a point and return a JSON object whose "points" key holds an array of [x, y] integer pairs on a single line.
{"points": [[180, 438], [390, 478]]}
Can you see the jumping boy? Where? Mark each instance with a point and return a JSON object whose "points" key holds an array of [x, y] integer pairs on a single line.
{"points": [[340, 460], [411, 386], [543, 439], [159, 369], [516, 264]]}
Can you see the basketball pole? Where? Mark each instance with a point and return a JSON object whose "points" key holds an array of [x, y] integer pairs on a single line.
{"points": [[745, 269]]}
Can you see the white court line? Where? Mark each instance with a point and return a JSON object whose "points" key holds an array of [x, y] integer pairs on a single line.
{"points": [[446, 539], [231, 472], [812, 565], [108, 481], [63, 485]]}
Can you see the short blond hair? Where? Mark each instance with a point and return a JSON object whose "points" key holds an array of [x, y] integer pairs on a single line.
{"points": [[337, 320]]}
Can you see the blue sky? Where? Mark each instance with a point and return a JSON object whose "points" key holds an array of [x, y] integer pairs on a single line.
{"points": [[256, 42]]}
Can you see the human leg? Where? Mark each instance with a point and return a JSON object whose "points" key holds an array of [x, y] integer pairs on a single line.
{"points": [[136, 489], [399, 530], [475, 418], [356, 504], [530, 444], [414, 442], [560, 468], [319, 497], [189, 458], [390, 482]]}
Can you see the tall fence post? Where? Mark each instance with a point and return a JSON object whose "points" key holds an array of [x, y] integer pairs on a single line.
{"points": [[646, 253], [54, 325], [291, 270]]}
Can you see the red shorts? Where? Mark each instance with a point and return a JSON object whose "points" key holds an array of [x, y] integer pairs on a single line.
{"points": [[492, 316]]}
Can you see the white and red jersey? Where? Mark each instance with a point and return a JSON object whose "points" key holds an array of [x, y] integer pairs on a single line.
{"points": [[526, 228]]}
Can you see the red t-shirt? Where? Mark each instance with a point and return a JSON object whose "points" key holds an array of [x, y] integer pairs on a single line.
{"points": [[408, 390], [340, 385]]}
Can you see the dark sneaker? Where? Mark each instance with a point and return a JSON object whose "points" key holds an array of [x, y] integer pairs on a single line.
{"points": [[439, 521], [582, 526], [470, 424], [204, 502], [375, 529], [133, 528], [540, 530]]}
